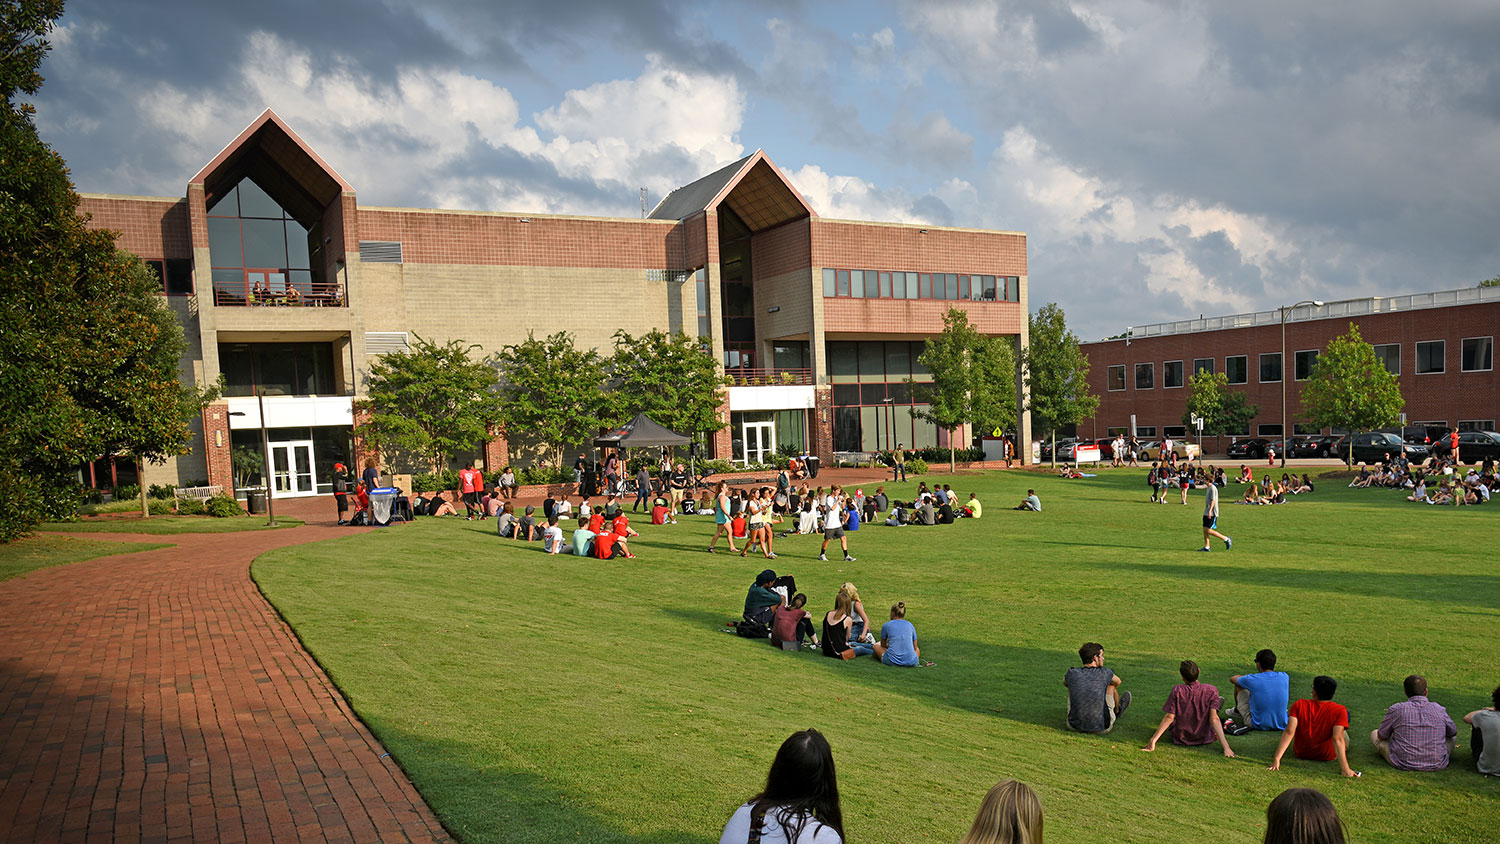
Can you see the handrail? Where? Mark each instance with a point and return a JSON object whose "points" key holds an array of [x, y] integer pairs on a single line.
{"points": [[279, 293], [775, 377]]}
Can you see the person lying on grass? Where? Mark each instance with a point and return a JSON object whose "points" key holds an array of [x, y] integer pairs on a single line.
{"points": [[1317, 729], [1191, 713], [898, 640]]}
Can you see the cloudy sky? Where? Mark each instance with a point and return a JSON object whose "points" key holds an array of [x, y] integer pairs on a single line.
{"points": [[1165, 158]]}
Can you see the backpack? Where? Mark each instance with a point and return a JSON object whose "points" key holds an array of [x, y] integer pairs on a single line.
{"points": [[1151, 478], [753, 629]]}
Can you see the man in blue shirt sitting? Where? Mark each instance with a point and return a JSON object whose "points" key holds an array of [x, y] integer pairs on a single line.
{"points": [[1260, 699]]}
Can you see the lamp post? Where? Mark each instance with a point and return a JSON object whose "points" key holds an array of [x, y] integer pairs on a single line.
{"points": [[1286, 312], [265, 452]]}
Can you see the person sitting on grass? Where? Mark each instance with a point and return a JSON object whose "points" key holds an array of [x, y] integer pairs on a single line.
{"points": [[1010, 814], [583, 539], [505, 523], [1484, 739], [1260, 699], [1246, 476], [609, 546], [898, 640], [791, 623], [1191, 713], [439, 506], [552, 537], [564, 509], [837, 624], [1094, 697], [1416, 734], [860, 630], [1031, 503], [1303, 816], [923, 513], [800, 803], [1317, 729], [851, 516], [762, 599], [526, 525], [973, 509], [882, 502], [807, 520], [619, 527], [945, 514]]}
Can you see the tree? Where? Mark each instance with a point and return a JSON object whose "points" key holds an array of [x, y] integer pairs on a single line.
{"points": [[1055, 372], [91, 348], [430, 402], [1222, 411], [552, 391], [1350, 388], [669, 378], [1490, 282], [972, 379]]}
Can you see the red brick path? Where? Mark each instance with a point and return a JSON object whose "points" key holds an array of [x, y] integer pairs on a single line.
{"points": [[158, 697]]}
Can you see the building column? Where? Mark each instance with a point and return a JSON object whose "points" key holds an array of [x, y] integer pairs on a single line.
{"points": [[496, 452], [218, 454], [722, 444], [820, 424]]}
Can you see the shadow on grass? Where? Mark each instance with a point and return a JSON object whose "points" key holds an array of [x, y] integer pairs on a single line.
{"points": [[480, 798], [1470, 590]]}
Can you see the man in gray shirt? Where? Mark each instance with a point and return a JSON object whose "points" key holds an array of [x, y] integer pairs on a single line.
{"points": [[1485, 739], [1211, 519], [1094, 696]]}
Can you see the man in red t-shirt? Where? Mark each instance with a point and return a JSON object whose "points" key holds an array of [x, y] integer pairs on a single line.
{"points": [[608, 546], [1317, 729], [470, 481], [621, 527], [596, 522], [1192, 713]]}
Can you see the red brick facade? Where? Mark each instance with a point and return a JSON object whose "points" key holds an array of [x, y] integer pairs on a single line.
{"points": [[151, 228], [1448, 398], [838, 243], [216, 446]]}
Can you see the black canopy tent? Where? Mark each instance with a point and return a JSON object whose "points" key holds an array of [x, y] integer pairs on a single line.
{"points": [[639, 432]]}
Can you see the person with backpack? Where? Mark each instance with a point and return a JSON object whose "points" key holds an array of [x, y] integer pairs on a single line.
{"points": [[1154, 480], [760, 605], [800, 803], [341, 492]]}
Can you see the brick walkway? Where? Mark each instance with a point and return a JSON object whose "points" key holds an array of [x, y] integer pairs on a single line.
{"points": [[158, 697]]}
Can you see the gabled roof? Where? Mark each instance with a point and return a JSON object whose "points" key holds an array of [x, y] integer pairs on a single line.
{"points": [[753, 187], [270, 152]]}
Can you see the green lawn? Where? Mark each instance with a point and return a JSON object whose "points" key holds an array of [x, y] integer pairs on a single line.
{"points": [[537, 698], [164, 525], [35, 552]]}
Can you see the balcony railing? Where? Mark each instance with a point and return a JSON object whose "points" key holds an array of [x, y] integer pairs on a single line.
{"points": [[746, 377], [279, 293]]}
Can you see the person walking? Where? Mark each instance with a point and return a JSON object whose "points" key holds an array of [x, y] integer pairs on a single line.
{"points": [[1211, 519], [642, 488]]}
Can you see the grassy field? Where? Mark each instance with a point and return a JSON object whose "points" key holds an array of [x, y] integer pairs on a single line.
{"points": [[536, 698], [36, 552], [166, 525]]}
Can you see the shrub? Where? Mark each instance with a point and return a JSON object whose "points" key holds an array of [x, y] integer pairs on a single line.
{"points": [[128, 492], [916, 466], [544, 475], [440, 482], [162, 493], [92, 496], [159, 507], [191, 507], [714, 467], [223, 507]]}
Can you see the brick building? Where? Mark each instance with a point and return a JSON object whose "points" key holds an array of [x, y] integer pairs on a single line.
{"points": [[288, 288], [1440, 345]]}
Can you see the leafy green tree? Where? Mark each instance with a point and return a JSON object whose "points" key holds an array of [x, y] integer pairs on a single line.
{"points": [[1055, 371], [972, 379], [552, 391], [91, 348], [1222, 409], [430, 402], [669, 377], [1490, 282], [1350, 388]]}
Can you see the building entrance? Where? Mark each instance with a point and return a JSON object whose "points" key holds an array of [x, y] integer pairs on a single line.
{"points": [[292, 468], [760, 442]]}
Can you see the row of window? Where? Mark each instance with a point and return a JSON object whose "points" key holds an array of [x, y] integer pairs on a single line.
{"points": [[1477, 356], [1271, 430], [881, 284]]}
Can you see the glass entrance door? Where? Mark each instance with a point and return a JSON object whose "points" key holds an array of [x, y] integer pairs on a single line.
{"points": [[760, 442], [292, 468]]}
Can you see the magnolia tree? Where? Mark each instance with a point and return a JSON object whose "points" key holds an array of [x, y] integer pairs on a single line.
{"points": [[973, 379], [552, 391], [1056, 374], [1350, 388], [668, 377], [430, 402], [1221, 409]]}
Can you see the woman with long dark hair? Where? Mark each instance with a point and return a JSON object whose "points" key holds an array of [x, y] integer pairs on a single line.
{"points": [[1303, 816], [800, 803]]}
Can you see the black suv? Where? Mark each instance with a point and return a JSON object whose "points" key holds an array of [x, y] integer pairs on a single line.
{"points": [[1254, 448], [1378, 446], [1329, 445], [1473, 446]]}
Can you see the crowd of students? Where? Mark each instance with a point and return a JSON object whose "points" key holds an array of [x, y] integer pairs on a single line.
{"points": [[775, 610], [800, 804], [1437, 482]]}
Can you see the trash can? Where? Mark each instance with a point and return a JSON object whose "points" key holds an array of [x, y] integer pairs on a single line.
{"points": [[255, 502], [812, 465]]}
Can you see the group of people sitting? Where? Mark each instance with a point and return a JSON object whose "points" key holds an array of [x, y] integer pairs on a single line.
{"points": [[939, 506], [775, 610], [800, 805], [1440, 482], [1267, 491], [1415, 735]]}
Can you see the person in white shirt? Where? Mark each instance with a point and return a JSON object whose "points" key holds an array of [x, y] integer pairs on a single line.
{"points": [[833, 524], [564, 509], [552, 537], [800, 803]]}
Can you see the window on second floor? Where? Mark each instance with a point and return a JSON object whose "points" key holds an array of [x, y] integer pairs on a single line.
{"points": [[1477, 353], [1430, 357], [1237, 369], [1303, 364], [1270, 368], [1115, 379], [1171, 373], [1145, 376]]}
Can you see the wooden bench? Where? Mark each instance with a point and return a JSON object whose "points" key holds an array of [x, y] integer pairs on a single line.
{"points": [[854, 457]]}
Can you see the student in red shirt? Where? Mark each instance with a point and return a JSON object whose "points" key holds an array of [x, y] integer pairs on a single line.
{"points": [[1317, 729], [470, 481], [608, 546], [596, 522], [621, 527]]}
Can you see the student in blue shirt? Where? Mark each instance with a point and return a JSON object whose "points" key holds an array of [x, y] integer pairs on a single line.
{"points": [[898, 640], [851, 517], [1260, 699]]}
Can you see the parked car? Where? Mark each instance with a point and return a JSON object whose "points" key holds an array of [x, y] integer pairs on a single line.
{"points": [[1064, 446], [1379, 446], [1182, 448], [1473, 446], [1106, 448], [1255, 448], [1328, 445]]}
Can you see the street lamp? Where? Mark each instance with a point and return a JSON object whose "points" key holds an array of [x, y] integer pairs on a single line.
{"points": [[1286, 312], [265, 446]]}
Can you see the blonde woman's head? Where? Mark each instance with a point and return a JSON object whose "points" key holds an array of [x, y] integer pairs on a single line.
{"points": [[1010, 814], [853, 593], [898, 610]]}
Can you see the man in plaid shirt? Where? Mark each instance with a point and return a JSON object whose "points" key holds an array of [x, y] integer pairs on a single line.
{"points": [[1416, 734]]}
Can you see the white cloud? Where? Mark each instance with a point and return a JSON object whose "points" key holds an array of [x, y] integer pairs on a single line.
{"points": [[852, 198]]}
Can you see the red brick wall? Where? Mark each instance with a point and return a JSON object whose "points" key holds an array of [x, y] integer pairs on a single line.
{"points": [[496, 455], [781, 250], [1449, 397], [435, 237], [820, 424], [885, 247], [695, 241], [216, 446], [151, 228], [915, 316]]}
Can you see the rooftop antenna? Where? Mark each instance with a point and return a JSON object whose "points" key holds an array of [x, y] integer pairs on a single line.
{"points": [[643, 203]]}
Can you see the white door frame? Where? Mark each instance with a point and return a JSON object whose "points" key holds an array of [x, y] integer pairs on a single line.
{"points": [[297, 484], [764, 441]]}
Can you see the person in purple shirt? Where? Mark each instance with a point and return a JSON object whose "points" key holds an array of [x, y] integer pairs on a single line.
{"points": [[1192, 713], [1416, 734]]}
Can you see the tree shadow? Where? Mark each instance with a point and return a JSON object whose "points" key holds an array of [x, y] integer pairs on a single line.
{"points": [[1469, 590]]}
